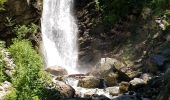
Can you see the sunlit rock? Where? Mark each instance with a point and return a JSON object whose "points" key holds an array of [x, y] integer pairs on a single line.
{"points": [[89, 82], [111, 79], [146, 77], [137, 83], [56, 70], [64, 89], [109, 73], [4, 89], [114, 91]]}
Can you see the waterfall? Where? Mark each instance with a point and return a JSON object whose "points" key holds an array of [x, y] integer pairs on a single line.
{"points": [[59, 34]]}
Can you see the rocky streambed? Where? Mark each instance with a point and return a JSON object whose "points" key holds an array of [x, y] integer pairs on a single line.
{"points": [[106, 82]]}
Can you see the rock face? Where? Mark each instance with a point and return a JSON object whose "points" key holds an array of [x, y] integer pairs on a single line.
{"points": [[89, 82], [64, 89], [56, 70], [17, 12]]}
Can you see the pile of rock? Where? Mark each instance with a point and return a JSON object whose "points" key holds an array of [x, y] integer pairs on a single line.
{"points": [[4, 89], [8, 61]]}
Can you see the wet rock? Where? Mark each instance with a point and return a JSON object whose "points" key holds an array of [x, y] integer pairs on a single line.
{"points": [[99, 97], [56, 70], [89, 94], [136, 83], [123, 87], [114, 91], [126, 97], [89, 82], [64, 89], [102, 84]]}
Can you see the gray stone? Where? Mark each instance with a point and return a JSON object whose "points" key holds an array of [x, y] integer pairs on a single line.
{"points": [[64, 89], [146, 77], [124, 87], [89, 82], [56, 70], [137, 81], [114, 91]]}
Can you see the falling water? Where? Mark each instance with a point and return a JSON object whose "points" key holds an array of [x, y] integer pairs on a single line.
{"points": [[59, 33]]}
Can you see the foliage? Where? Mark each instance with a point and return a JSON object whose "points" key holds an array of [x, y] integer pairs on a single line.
{"points": [[2, 63], [29, 79], [9, 22], [11, 95], [114, 10], [2, 5], [24, 31], [159, 7]]}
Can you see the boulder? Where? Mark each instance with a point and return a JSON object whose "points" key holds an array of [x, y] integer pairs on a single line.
{"points": [[114, 91], [146, 77], [113, 61], [111, 79], [89, 82], [65, 90], [124, 87], [109, 73], [56, 70], [136, 83], [99, 97]]}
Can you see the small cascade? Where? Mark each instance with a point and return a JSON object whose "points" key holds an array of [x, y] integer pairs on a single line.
{"points": [[73, 81]]}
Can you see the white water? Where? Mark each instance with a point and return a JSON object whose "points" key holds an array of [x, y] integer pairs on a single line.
{"points": [[59, 33], [83, 91]]}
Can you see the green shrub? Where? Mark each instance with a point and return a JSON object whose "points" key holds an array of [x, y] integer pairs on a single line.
{"points": [[11, 95], [114, 10], [23, 31], [2, 63], [2, 4], [29, 79]]}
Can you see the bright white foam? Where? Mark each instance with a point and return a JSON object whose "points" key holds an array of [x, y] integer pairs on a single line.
{"points": [[59, 33], [74, 83]]}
